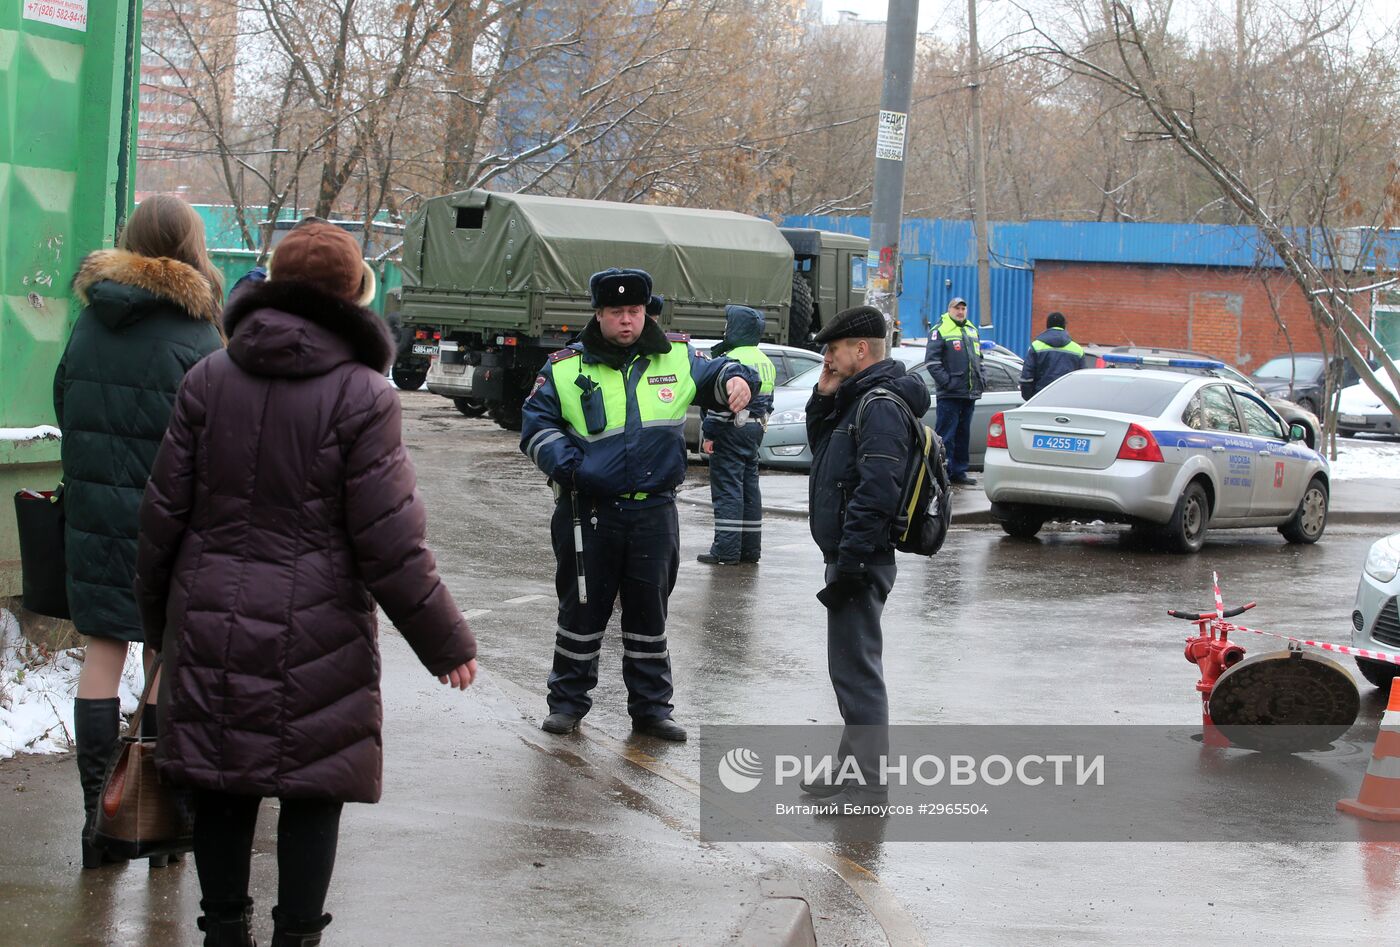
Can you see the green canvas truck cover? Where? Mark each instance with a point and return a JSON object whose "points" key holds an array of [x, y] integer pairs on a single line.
{"points": [[479, 241]]}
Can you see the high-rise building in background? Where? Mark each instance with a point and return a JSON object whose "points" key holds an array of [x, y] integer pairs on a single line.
{"points": [[174, 146]]}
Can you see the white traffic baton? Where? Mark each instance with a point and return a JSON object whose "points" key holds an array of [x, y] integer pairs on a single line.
{"points": [[578, 549]]}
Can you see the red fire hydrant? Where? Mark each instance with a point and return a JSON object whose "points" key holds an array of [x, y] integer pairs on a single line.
{"points": [[1212, 652]]}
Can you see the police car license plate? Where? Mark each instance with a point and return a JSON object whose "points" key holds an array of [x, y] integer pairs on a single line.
{"points": [[424, 348], [1070, 445]]}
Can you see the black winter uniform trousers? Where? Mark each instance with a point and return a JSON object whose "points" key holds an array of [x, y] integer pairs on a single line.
{"points": [[855, 660], [735, 493], [631, 552]]}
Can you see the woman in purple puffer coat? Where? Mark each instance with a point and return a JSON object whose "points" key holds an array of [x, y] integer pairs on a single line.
{"points": [[281, 507]]}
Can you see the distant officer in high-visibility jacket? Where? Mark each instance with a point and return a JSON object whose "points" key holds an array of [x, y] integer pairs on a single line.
{"points": [[1052, 355], [954, 358], [606, 424], [732, 442]]}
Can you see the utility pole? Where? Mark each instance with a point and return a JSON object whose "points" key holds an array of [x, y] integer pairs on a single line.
{"points": [[979, 174], [887, 206]]}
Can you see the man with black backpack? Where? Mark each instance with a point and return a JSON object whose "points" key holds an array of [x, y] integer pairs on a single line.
{"points": [[861, 439]]}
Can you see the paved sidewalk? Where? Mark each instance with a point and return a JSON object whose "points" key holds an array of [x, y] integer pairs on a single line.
{"points": [[1353, 502], [490, 832]]}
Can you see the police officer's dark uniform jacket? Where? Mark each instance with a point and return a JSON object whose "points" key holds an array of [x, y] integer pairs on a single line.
{"points": [[1052, 355], [608, 422], [955, 359]]}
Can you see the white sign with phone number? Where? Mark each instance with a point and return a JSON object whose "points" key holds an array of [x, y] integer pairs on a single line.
{"points": [[70, 13]]}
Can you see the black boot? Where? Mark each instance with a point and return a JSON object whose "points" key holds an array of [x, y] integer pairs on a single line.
{"points": [[227, 923], [96, 725], [297, 932]]}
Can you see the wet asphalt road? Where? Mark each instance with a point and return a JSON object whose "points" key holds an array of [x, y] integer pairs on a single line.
{"points": [[1067, 629], [515, 837]]}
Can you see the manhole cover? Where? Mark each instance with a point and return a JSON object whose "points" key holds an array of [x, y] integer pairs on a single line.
{"points": [[1285, 701]]}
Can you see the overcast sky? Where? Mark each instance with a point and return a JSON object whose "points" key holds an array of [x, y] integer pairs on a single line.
{"points": [[996, 18]]}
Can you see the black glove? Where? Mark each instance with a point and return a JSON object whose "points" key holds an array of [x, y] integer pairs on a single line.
{"points": [[847, 584], [564, 476]]}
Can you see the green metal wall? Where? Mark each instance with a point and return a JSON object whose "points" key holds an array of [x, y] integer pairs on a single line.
{"points": [[234, 264], [67, 120]]}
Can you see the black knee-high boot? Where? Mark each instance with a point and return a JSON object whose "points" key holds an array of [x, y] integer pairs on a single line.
{"points": [[96, 725]]}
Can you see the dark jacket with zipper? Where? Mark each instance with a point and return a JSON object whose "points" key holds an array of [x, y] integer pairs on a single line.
{"points": [[146, 321], [282, 506], [854, 488]]}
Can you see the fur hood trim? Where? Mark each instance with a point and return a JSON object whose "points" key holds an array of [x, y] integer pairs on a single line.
{"points": [[169, 279], [366, 333]]}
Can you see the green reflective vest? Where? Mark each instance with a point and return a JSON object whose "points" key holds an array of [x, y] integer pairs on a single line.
{"points": [[1072, 347], [753, 357], [664, 389]]}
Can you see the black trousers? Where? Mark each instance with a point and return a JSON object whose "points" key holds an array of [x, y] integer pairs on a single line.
{"points": [[307, 831], [855, 660], [734, 490], [631, 553]]}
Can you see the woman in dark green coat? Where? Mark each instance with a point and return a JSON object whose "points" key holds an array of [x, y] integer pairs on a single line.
{"points": [[151, 310]]}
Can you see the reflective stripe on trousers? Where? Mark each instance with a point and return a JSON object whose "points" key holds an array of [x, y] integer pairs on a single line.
{"points": [[631, 552]]}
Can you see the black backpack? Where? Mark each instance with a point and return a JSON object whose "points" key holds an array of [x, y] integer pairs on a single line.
{"points": [[926, 502]]}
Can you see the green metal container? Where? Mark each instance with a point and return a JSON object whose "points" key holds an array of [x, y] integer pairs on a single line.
{"points": [[67, 123]]}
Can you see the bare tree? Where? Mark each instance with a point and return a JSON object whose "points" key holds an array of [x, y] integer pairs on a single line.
{"points": [[1129, 53]]}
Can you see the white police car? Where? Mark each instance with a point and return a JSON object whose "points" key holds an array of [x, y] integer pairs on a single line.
{"points": [[1169, 453], [1375, 620]]}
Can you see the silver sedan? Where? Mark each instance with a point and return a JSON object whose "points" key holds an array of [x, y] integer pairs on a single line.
{"points": [[1171, 454], [785, 443]]}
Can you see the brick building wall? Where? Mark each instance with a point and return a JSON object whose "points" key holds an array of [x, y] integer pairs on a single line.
{"points": [[1222, 312]]}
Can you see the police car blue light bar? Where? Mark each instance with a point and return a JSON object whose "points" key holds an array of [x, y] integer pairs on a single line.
{"points": [[1161, 360]]}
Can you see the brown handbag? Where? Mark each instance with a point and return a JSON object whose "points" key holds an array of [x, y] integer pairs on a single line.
{"points": [[137, 815]]}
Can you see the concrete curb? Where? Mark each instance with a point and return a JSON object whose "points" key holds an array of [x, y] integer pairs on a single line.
{"points": [[982, 516], [974, 517], [782, 919]]}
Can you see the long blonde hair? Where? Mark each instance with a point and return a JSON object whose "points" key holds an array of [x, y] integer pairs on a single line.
{"points": [[165, 226]]}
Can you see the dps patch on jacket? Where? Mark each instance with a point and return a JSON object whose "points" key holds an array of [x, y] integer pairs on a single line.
{"points": [[661, 379]]}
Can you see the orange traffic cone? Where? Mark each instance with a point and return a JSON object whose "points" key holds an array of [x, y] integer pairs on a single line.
{"points": [[1379, 799]]}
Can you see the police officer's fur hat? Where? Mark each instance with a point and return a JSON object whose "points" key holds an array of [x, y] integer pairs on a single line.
{"points": [[654, 305], [860, 322], [615, 287]]}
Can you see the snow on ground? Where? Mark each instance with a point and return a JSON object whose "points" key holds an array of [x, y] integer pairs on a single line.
{"points": [[1359, 459], [29, 433], [37, 690]]}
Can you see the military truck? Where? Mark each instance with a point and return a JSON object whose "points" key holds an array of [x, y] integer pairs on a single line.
{"points": [[493, 283]]}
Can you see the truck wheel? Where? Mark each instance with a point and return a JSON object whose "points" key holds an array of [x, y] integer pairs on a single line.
{"points": [[508, 415], [800, 314], [1310, 519], [409, 377], [470, 407], [1379, 673]]}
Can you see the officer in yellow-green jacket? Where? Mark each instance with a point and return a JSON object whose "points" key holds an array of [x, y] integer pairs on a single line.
{"points": [[606, 424], [732, 440], [954, 357]]}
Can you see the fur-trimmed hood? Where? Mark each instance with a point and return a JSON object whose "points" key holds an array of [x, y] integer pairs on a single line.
{"points": [[162, 277], [290, 328]]}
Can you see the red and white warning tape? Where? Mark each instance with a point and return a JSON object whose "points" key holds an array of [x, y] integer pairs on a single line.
{"points": [[1324, 645]]}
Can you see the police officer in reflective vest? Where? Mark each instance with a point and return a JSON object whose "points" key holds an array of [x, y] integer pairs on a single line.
{"points": [[1052, 355], [954, 355], [732, 442], [606, 423]]}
